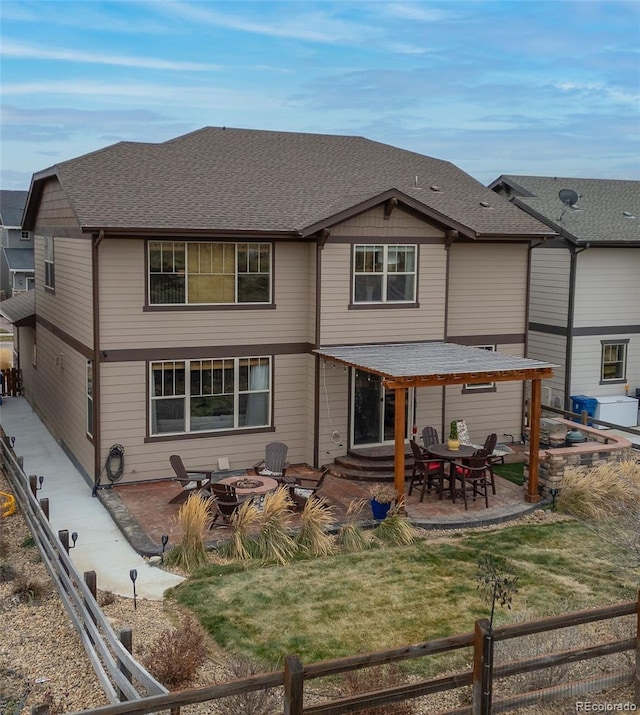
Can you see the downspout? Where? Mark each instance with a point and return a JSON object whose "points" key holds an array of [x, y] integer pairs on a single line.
{"points": [[320, 243], [97, 240], [571, 321]]}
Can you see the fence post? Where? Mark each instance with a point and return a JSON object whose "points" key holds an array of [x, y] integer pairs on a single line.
{"points": [[482, 668], [33, 484], [44, 505], [293, 685], [126, 638]]}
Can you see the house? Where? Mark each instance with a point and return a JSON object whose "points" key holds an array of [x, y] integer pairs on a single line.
{"points": [[183, 288], [16, 246], [585, 290]]}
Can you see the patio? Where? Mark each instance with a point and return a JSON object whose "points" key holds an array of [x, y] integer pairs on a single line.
{"points": [[144, 513]]}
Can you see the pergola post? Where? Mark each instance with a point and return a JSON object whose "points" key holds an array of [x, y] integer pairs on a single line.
{"points": [[535, 411], [400, 430]]}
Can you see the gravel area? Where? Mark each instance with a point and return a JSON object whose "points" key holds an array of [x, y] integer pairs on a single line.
{"points": [[42, 660]]}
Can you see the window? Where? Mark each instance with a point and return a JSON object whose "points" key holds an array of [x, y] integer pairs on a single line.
{"points": [[481, 385], [25, 235], [384, 274], [210, 395], [209, 273], [90, 398], [614, 361], [49, 272]]}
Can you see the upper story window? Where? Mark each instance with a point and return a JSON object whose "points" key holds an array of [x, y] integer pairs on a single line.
{"points": [[210, 395], [384, 274], [90, 398], [49, 266], [614, 361], [190, 273]]}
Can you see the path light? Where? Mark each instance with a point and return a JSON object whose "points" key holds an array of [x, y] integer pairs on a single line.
{"points": [[133, 575], [165, 540], [40, 480], [74, 538], [554, 494]]}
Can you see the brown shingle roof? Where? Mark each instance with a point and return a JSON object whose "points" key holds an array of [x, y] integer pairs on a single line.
{"points": [[607, 211], [218, 179]]}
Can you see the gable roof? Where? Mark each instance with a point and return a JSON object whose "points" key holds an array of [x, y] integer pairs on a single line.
{"points": [[20, 309], [12, 204], [19, 259], [282, 183], [606, 213]]}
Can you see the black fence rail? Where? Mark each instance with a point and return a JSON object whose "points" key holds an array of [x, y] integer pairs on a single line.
{"points": [[110, 657], [119, 674]]}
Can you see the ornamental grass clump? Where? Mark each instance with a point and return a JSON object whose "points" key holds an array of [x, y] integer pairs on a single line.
{"points": [[244, 522], [274, 541], [315, 521], [382, 493], [351, 536], [396, 529], [194, 519]]}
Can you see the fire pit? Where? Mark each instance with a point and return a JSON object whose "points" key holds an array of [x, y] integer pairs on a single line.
{"points": [[247, 483]]}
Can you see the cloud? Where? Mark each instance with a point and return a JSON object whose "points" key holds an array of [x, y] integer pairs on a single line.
{"points": [[23, 51]]}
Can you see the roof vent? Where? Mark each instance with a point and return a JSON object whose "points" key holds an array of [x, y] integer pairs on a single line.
{"points": [[435, 188], [485, 204], [628, 214]]}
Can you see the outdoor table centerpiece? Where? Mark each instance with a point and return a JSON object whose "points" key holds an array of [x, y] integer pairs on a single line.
{"points": [[453, 442]]}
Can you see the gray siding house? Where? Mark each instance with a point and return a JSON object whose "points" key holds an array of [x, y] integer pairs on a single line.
{"points": [[585, 289], [183, 287], [16, 246]]}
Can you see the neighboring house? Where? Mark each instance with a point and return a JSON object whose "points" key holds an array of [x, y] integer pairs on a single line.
{"points": [[182, 288], [16, 246], [585, 288]]}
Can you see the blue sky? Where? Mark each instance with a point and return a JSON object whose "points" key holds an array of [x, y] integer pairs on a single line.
{"points": [[523, 87]]}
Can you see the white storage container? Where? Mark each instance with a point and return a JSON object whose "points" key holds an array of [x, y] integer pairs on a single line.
{"points": [[617, 409]]}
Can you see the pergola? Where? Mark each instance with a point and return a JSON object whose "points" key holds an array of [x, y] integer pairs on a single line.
{"points": [[434, 364]]}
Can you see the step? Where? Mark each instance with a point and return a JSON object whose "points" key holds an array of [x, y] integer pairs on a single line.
{"points": [[363, 475]]}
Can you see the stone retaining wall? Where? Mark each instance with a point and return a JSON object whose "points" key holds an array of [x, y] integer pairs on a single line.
{"points": [[600, 447]]}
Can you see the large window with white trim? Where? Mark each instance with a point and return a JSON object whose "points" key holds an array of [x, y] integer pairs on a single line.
{"points": [[470, 386], [188, 273], [210, 395], [384, 274]]}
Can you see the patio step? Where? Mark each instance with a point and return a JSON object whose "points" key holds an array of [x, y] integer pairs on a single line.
{"points": [[374, 464]]}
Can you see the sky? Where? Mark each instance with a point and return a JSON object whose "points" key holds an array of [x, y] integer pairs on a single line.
{"points": [[531, 87]]}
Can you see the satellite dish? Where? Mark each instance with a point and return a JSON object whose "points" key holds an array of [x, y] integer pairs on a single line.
{"points": [[568, 197]]}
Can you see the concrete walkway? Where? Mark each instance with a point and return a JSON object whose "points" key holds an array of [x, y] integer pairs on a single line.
{"points": [[101, 547]]}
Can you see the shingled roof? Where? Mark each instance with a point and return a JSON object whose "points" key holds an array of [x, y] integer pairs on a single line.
{"points": [[12, 204], [607, 211], [238, 180]]}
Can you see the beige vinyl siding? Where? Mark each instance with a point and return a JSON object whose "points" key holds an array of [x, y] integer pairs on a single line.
{"points": [[333, 411], [395, 323], [60, 395], [428, 409], [487, 289], [124, 419], [125, 325], [608, 287], [487, 412], [550, 274], [69, 307], [373, 224], [587, 355], [550, 348]]}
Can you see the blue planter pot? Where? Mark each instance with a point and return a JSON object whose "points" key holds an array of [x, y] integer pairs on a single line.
{"points": [[379, 509]]}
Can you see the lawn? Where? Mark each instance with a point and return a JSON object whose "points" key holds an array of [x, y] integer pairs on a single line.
{"points": [[391, 596]]}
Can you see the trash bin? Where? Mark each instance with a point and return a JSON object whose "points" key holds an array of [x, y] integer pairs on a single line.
{"points": [[582, 403]]}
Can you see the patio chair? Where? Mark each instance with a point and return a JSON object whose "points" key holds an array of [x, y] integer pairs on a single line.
{"points": [[191, 481], [226, 502], [275, 462], [427, 471], [429, 436], [306, 487], [490, 446], [475, 474]]}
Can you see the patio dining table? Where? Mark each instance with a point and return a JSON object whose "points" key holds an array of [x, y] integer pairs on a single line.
{"points": [[442, 451]]}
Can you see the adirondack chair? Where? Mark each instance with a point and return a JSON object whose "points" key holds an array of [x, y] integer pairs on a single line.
{"points": [[191, 481], [275, 462]]}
